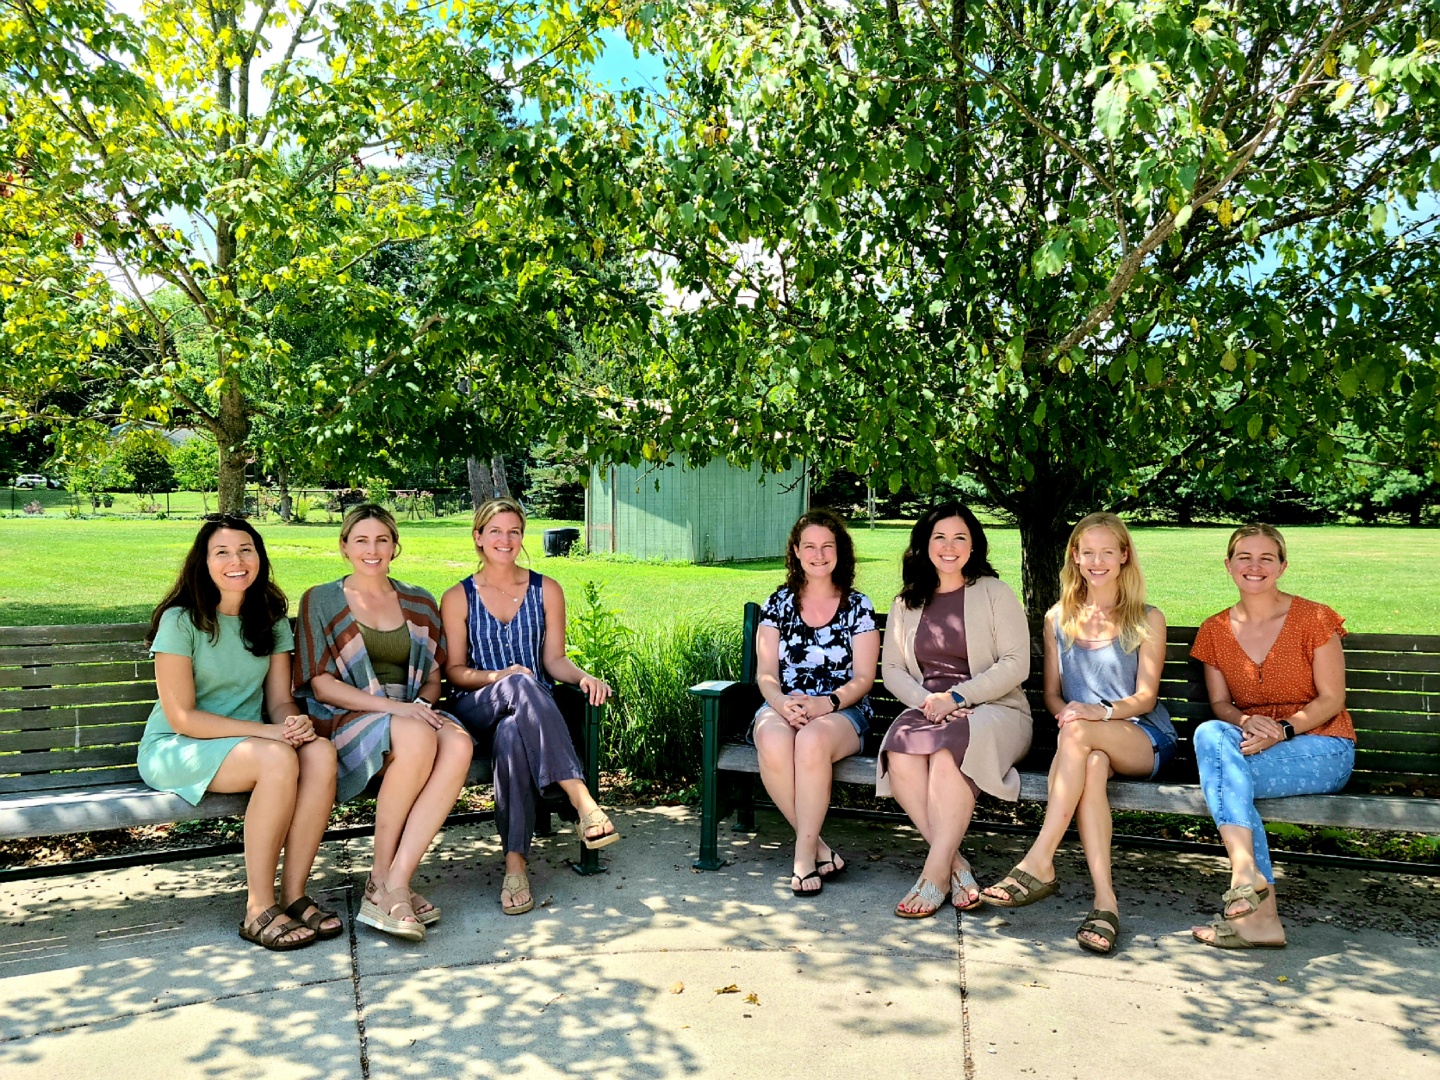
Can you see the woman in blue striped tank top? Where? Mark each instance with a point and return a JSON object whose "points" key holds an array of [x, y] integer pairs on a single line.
{"points": [[506, 629], [1104, 650]]}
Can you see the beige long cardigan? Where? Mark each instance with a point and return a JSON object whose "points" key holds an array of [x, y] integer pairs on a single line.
{"points": [[998, 640]]}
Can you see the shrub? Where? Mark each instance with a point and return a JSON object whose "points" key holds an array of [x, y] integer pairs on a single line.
{"points": [[653, 730], [300, 509], [597, 640], [652, 725]]}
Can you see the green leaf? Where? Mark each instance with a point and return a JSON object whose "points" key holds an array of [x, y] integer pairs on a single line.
{"points": [[1255, 426], [915, 153], [1112, 108]]}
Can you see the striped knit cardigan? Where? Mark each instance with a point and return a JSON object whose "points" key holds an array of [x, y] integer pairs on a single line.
{"points": [[328, 641]]}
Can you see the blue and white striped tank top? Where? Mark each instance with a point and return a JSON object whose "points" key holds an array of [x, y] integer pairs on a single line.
{"points": [[495, 645]]}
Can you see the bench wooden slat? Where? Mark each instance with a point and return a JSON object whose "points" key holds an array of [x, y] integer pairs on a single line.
{"points": [[1395, 661], [112, 805], [58, 635], [1419, 765], [105, 694], [78, 674], [1394, 643], [49, 781], [46, 719], [1367, 722], [65, 760], [1422, 681], [73, 654], [71, 737]]}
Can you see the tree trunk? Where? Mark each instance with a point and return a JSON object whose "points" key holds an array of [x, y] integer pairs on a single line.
{"points": [[235, 430], [1043, 535], [497, 471], [282, 475], [482, 482]]}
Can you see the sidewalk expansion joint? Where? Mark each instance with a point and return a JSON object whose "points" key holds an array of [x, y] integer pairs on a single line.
{"points": [[964, 994], [362, 1039]]}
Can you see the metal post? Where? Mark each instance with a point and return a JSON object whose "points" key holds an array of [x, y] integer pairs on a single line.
{"points": [[590, 859]]}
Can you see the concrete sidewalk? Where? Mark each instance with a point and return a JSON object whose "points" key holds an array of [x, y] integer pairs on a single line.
{"points": [[139, 972]]}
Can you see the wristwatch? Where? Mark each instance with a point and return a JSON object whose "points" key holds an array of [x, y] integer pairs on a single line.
{"points": [[1287, 729], [834, 701], [1109, 708], [421, 700], [958, 698]]}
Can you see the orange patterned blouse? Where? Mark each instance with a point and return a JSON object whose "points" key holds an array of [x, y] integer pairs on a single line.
{"points": [[1285, 680]]}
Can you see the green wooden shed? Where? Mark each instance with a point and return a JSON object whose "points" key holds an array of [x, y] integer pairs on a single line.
{"points": [[716, 513]]}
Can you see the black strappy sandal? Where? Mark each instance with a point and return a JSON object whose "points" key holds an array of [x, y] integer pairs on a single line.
{"points": [[802, 891]]}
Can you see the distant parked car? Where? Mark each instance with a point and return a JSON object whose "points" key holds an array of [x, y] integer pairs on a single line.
{"points": [[32, 480]]}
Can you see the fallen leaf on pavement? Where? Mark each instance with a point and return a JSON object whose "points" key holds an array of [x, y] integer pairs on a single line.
{"points": [[677, 988], [753, 999], [731, 989]]}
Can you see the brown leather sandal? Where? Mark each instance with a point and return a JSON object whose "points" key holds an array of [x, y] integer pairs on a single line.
{"points": [[271, 927], [317, 919]]}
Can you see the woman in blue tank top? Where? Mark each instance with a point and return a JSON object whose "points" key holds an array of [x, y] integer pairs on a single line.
{"points": [[1104, 650], [506, 629]]}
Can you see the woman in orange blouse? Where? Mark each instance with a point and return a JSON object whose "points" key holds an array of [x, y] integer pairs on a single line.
{"points": [[1275, 672]]}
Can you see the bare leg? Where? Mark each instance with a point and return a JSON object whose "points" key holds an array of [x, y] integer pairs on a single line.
{"points": [[433, 804], [314, 798], [951, 805], [414, 745], [775, 748], [1128, 750], [818, 745], [1096, 829], [270, 770]]}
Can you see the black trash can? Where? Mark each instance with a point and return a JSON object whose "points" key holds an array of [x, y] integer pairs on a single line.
{"points": [[559, 541]]}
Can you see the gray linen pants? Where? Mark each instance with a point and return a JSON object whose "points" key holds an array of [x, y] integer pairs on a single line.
{"points": [[518, 720]]}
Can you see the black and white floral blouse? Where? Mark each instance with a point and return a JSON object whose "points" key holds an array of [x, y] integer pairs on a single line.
{"points": [[818, 660]]}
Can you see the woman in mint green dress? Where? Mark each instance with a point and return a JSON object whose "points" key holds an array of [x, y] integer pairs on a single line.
{"points": [[226, 721]]}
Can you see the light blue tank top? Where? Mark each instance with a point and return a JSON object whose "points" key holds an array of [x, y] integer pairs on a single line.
{"points": [[1109, 672], [495, 645]]}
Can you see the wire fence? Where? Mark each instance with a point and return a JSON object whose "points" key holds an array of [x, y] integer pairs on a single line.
{"points": [[261, 502]]}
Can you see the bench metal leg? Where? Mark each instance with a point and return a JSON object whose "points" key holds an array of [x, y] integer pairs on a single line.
{"points": [[709, 786], [544, 826], [590, 860], [744, 786]]}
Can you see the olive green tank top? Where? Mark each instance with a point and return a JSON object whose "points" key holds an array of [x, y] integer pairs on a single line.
{"points": [[389, 652]]}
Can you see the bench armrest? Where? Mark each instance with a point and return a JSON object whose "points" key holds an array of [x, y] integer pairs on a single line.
{"points": [[714, 688]]}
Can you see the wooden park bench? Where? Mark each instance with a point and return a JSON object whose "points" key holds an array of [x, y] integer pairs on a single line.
{"points": [[73, 705], [1392, 691]]}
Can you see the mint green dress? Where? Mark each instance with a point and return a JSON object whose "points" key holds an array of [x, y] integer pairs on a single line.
{"points": [[229, 681]]}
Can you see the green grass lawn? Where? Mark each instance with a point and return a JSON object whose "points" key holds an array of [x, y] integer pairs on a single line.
{"points": [[55, 570]]}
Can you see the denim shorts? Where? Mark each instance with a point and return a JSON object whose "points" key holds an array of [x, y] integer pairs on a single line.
{"points": [[1161, 740], [857, 716]]}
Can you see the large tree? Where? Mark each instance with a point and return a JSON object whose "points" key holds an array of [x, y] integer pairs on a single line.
{"points": [[261, 161], [1073, 250]]}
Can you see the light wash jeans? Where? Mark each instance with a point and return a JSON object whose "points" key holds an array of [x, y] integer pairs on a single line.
{"points": [[1232, 781]]}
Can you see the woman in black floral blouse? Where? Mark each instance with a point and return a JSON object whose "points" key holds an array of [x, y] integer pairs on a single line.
{"points": [[817, 650]]}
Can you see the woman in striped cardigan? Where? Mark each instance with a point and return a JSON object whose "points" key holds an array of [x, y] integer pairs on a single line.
{"points": [[506, 628], [369, 651]]}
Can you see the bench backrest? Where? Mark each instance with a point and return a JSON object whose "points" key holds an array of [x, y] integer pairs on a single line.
{"points": [[1392, 690], [72, 697]]}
